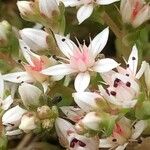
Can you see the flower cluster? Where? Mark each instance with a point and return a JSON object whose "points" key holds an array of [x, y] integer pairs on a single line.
{"points": [[64, 86]]}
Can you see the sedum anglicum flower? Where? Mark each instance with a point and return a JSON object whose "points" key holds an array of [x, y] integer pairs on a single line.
{"points": [[82, 60], [69, 139], [135, 12], [86, 7], [123, 133], [34, 38]]}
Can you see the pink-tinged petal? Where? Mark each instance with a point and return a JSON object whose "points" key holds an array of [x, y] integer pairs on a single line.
{"points": [[73, 113], [86, 100], [107, 76], [1, 87], [133, 60], [84, 12], [47, 7], [139, 127], [106, 2], [105, 143], [133, 84], [28, 55], [63, 130], [67, 46], [71, 3], [122, 147], [141, 71], [61, 69], [105, 65], [82, 81], [142, 16], [34, 38], [99, 42], [14, 132], [18, 77], [7, 102]]}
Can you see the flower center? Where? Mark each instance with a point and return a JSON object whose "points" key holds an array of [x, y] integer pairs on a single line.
{"points": [[76, 142], [81, 60], [135, 10], [38, 65]]}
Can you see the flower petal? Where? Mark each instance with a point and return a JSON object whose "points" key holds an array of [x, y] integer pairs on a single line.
{"points": [[106, 2], [67, 46], [61, 69], [72, 113], [141, 71], [18, 77], [122, 147], [105, 65], [7, 102], [105, 143], [84, 12], [34, 38], [86, 100], [28, 55], [63, 129], [47, 7], [13, 132], [99, 42], [82, 81], [133, 60], [71, 3], [13, 115], [139, 128], [30, 94]]}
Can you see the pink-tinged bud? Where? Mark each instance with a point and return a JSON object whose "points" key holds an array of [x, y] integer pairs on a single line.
{"points": [[25, 7], [135, 12], [34, 38], [48, 8]]}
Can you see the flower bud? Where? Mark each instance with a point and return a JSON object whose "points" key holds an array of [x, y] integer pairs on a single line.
{"points": [[48, 123], [49, 8], [30, 95], [27, 123], [5, 28], [25, 8], [34, 38], [92, 121], [135, 12], [44, 112]]}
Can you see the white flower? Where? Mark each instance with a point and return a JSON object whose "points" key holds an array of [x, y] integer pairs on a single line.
{"points": [[122, 134], [4, 103], [121, 90], [30, 94], [48, 7], [147, 76], [27, 123], [33, 69], [132, 65], [135, 12], [34, 38], [82, 59], [69, 139], [86, 8]]}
